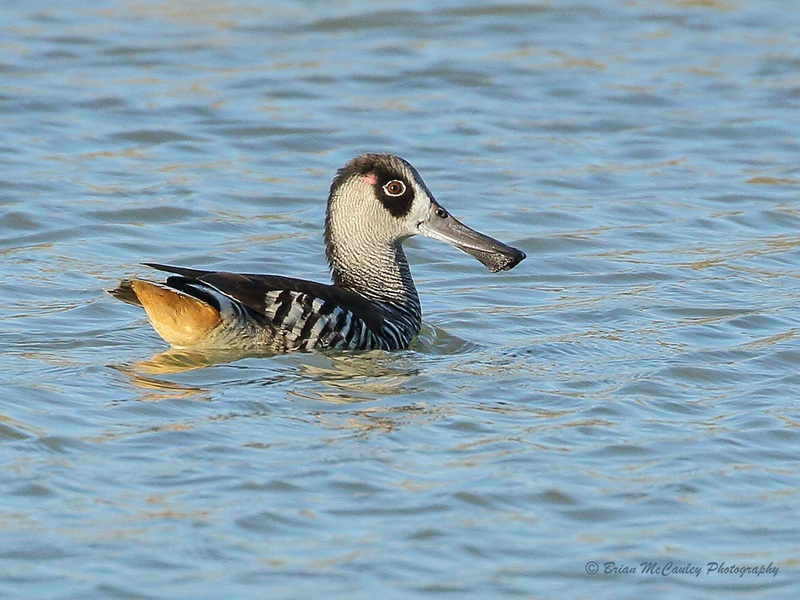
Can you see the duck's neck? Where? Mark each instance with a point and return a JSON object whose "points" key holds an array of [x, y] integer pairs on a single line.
{"points": [[372, 265], [376, 271]]}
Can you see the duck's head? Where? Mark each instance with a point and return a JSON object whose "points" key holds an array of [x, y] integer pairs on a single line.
{"points": [[378, 200]]}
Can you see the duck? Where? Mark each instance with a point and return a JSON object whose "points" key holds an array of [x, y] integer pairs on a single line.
{"points": [[376, 202]]}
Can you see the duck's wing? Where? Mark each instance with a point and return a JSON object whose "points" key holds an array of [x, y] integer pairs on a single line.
{"points": [[253, 291], [306, 313]]}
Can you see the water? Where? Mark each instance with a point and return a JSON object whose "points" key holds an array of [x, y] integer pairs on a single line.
{"points": [[629, 393]]}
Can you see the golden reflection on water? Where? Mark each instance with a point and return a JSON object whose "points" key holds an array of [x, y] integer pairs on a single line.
{"points": [[346, 391], [176, 360], [350, 392], [153, 389], [348, 376]]}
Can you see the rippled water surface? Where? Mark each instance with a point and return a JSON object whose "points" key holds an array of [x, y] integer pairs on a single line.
{"points": [[628, 394]]}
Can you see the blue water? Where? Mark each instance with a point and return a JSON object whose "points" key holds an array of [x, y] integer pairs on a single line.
{"points": [[628, 394]]}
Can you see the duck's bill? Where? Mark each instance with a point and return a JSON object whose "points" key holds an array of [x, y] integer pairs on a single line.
{"points": [[496, 256]]}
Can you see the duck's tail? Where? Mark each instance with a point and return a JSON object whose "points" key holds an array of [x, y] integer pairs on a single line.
{"points": [[182, 320]]}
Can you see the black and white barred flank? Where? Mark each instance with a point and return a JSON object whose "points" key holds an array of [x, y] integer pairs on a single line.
{"points": [[305, 322]]}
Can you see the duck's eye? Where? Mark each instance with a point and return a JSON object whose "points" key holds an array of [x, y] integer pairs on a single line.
{"points": [[441, 213], [395, 188]]}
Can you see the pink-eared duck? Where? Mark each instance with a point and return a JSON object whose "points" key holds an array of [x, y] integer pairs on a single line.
{"points": [[376, 201]]}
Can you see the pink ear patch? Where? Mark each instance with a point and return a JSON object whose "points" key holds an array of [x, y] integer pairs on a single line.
{"points": [[371, 178]]}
